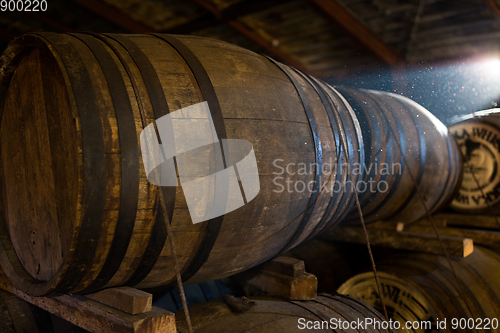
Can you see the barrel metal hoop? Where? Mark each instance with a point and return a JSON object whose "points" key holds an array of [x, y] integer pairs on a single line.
{"points": [[94, 162], [400, 144], [127, 135], [317, 149], [208, 92], [302, 305], [369, 129], [308, 306], [356, 304], [349, 154], [329, 110], [365, 97], [160, 108]]}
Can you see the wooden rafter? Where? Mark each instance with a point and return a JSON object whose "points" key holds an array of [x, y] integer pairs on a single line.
{"points": [[233, 12], [244, 30], [50, 22], [337, 14], [495, 8], [115, 16]]}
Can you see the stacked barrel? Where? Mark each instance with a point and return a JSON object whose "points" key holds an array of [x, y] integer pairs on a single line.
{"points": [[423, 289], [326, 313], [478, 136], [78, 212]]}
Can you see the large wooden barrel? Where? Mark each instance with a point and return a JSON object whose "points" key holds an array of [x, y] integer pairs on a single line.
{"points": [[268, 314], [394, 126], [478, 136], [422, 287], [79, 213]]}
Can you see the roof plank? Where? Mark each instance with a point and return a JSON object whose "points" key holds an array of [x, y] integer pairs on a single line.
{"points": [[116, 16], [337, 14], [243, 29]]}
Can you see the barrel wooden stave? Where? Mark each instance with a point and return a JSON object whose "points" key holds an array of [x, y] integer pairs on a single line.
{"points": [[272, 124], [270, 314], [477, 135], [418, 151], [154, 76], [423, 287]]}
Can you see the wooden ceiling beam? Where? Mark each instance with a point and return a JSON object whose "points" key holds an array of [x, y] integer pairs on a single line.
{"points": [[494, 7], [244, 30], [50, 22], [233, 12], [248, 7], [115, 16], [337, 14]]}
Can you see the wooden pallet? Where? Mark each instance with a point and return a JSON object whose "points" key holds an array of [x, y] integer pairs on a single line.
{"points": [[128, 310], [115, 310]]}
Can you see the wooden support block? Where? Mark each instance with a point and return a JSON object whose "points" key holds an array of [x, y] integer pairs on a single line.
{"points": [[411, 241], [283, 276], [129, 300], [99, 318]]}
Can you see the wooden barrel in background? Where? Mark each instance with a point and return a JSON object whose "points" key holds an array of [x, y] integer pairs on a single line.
{"points": [[478, 136], [422, 287], [394, 126], [275, 315], [79, 213]]}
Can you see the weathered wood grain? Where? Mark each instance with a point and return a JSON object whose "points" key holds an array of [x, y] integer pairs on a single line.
{"points": [[404, 240], [96, 317]]}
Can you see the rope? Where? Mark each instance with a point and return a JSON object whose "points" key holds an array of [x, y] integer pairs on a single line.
{"points": [[343, 145], [176, 263], [443, 247]]}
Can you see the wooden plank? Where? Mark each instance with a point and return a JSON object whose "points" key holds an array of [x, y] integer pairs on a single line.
{"points": [[482, 237], [96, 317], [426, 242], [283, 276], [232, 12], [114, 15], [336, 13], [471, 221], [129, 300], [244, 30]]}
